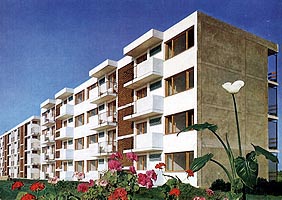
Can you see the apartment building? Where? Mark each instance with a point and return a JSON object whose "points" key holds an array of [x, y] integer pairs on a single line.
{"points": [[167, 80], [20, 150]]}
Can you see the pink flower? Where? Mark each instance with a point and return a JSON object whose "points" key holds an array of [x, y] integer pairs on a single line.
{"points": [[83, 187], [149, 182], [209, 192], [91, 183], [103, 183], [151, 174], [116, 155], [131, 156], [142, 179], [114, 165], [132, 169], [53, 180]]}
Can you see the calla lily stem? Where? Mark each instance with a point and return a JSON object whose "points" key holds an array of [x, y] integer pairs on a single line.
{"points": [[237, 122]]}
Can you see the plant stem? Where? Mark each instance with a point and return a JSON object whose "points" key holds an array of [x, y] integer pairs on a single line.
{"points": [[237, 122]]}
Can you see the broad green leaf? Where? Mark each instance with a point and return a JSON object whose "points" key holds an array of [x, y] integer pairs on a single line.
{"points": [[200, 162], [200, 127], [247, 169], [259, 150]]}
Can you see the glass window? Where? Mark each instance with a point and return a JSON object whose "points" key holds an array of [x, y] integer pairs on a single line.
{"points": [[79, 120], [141, 128], [155, 50], [176, 122], [102, 81], [156, 85], [79, 143], [92, 165], [180, 82], [79, 97], [79, 166], [141, 93], [155, 157], [101, 134], [141, 59], [155, 121], [142, 162], [178, 161], [180, 43]]}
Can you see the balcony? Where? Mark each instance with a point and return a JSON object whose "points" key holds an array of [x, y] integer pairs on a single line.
{"points": [[102, 148], [47, 158], [47, 104], [35, 144], [66, 175], [35, 129], [103, 93], [35, 160], [141, 44], [146, 72], [149, 142], [64, 93], [104, 68], [64, 133], [146, 107], [66, 111], [48, 120], [64, 154], [103, 121], [47, 138]]}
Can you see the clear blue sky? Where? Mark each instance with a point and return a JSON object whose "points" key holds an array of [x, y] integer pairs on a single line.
{"points": [[48, 45]]}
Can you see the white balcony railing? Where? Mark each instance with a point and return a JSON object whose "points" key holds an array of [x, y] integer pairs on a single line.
{"points": [[146, 107], [48, 120], [146, 72], [102, 93], [154, 141], [65, 133], [66, 111], [103, 120], [65, 154]]}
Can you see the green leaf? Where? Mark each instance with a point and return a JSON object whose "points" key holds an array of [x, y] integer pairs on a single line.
{"points": [[200, 162], [247, 169], [259, 150], [200, 127]]}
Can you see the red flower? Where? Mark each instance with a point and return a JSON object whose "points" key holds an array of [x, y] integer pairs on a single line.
{"points": [[28, 196], [17, 185], [175, 192], [83, 187], [119, 193], [209, 192], [160, 165], [190, 172], [37, 186]]}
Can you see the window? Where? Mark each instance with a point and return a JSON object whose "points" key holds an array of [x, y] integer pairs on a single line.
{"points": [[101, 107], [141, 58], [156, 85], [141, 128], [90, 88], [101, 161], [155, 157], [178, 161], [102, 81], [101, 134], [111, 137], [70, 120], [175, 123], [70, 98], [111, 108], [155, 121], [155, 50], [91, 139], [79, 120], [180, 82], [79, 166], [92, 165], [141, 93], [79, 97], [91, 113], [79, 143], [70, 142], [180, 43], [142, 162]]}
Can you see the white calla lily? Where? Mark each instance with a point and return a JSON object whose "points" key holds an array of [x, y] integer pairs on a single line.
{"points": [[233, 88]]}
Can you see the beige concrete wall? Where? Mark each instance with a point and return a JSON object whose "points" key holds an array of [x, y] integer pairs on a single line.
{"points": [[227, 54]]}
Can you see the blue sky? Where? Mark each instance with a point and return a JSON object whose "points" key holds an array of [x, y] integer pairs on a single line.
{"points": [[48, 45]]}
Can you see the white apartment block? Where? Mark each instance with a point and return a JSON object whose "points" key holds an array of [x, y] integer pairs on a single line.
{"points": [[20, 150], [167, 80]]}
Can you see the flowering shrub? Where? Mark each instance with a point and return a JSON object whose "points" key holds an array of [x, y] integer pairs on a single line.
{"points": [[118, 183], [37, 186], [28, 196]]}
